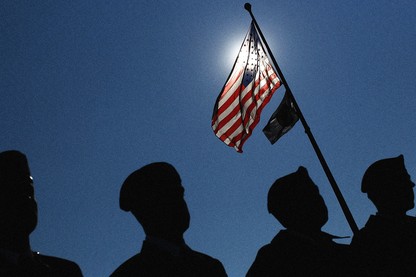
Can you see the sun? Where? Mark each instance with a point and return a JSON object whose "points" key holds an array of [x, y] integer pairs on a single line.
{"points": [[231, 50]]}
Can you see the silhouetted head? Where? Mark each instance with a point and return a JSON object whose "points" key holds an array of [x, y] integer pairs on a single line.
{"points": [[18, 208], [154, 194], [388, 186], [296, 203]]}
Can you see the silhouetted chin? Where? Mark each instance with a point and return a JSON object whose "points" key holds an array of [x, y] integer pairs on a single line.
{"points": [[20, 220], [182, 227], [18, 227], [411, 206]]}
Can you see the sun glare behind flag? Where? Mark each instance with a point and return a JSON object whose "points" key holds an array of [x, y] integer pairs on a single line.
{"points": [[249, 88]]}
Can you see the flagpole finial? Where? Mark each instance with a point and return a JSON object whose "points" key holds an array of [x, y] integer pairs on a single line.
{"points": [[247, 6]]}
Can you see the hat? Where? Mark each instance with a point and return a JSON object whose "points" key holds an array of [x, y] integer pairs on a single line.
{"points": [[286, 188], [146, 182], [383, 173]]}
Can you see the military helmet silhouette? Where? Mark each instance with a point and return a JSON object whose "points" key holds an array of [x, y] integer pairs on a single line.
{"points": [[383, 173], [147, 183], [295, 201]]}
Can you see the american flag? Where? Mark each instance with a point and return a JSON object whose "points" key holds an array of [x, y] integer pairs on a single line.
{"points": [[249, 88]]}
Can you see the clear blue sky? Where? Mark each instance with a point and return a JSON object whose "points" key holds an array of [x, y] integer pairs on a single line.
{"points": [[92, 90]]}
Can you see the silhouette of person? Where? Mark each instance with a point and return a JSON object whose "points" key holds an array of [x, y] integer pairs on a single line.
{"points": [[18, 218], [155, 196], [386, 246], [301, 249]]}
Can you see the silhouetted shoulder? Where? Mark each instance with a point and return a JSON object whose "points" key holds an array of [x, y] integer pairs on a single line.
{"points": [[394, 233], [209, 264], [266, 256], [294, 254], [132, 266], [152, 262], [58, 266], [386, 246], [282, 257]]}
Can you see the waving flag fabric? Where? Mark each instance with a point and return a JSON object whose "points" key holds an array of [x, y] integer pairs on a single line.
{"points": [[249, 88], [282, 120]]}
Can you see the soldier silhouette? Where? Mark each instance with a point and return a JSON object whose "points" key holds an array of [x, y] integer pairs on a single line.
{"points": [[155, 196], [301, 249], [386, 246], [18, 218]]}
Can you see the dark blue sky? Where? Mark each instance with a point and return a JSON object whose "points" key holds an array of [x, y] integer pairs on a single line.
{"points": [[92, 90]]}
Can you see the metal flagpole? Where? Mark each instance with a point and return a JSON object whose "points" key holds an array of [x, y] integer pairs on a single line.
{"points": [[318, 152]]}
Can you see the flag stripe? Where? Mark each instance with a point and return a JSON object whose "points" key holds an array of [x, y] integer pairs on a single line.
{"points": [[249, 88], [229, 110]]}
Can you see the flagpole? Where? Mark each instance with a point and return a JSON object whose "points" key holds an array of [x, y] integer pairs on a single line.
{"points": [[318, 152]]}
